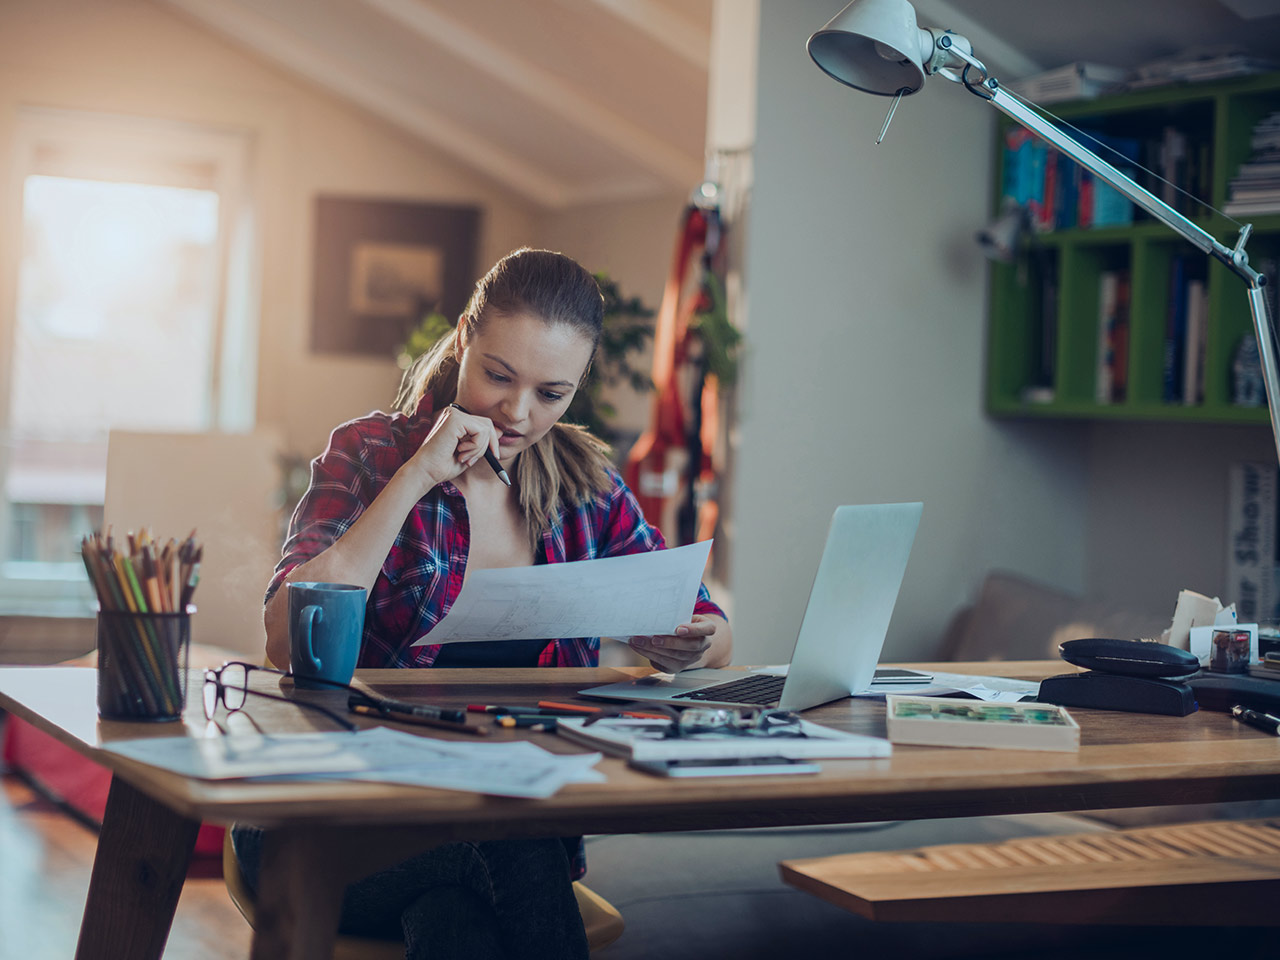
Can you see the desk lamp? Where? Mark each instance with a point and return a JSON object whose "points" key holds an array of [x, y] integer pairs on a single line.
{"points": [[877, 47]]}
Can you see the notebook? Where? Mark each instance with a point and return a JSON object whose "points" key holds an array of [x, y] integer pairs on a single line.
{"points": [[841, 634]]}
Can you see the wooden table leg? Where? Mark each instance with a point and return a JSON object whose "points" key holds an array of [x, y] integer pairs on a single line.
{"points": [[141, 862]]}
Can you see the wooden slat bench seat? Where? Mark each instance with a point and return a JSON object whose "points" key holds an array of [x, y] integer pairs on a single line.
{"points": [[1212, 873]]}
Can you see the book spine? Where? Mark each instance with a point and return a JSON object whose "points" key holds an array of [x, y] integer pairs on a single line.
{"points": [[1084, 205], [1120, 339], [1047, 363], [1037, 153], [1047, 213], [1269, 267], [1193, 356], [1103, 375], [1175, 332]]}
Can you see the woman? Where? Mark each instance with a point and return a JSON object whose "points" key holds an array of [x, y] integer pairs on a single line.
{"points": [[406, 504]]}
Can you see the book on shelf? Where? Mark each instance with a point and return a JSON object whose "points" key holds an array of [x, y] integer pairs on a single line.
{"points": [[1176, 342], [943, 722], [1255, 189], [1173, 165], [1251, 540], [1046, 334], [1197, 65], [1058, 193], [1247, 208], [1073, 81], [1193, 351], [1269, 267], [1111, 379], [639, 739]]}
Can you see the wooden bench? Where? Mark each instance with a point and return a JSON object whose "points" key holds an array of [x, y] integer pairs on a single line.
{"points": [[1214, 873]]}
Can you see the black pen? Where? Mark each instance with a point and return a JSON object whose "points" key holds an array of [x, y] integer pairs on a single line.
{"points": [[490, 457], [413, 709], [389, 713], [1257, 719]]}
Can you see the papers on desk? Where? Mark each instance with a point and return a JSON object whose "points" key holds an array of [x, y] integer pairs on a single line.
{"points": [[511, 769], [991, 689], [635, 595]]}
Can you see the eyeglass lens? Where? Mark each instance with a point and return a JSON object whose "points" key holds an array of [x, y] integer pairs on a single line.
{"points": [[228, 684]]}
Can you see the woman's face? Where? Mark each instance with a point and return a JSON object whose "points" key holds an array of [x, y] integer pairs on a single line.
{"points": [[521, 372]]}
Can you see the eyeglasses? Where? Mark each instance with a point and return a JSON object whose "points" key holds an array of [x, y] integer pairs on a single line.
{"points": [[229, 685], [745, 723]]}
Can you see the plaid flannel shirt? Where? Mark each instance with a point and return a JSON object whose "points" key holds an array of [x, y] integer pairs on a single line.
{"points": [[422, 574]]}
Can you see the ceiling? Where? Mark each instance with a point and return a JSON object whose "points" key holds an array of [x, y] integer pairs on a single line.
{"points": [[575, 101]]}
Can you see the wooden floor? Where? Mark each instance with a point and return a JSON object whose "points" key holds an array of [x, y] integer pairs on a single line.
{"points": [[45, 860]]}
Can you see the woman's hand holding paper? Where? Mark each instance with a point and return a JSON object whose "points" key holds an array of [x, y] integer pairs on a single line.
{"points": [[685, 649]]}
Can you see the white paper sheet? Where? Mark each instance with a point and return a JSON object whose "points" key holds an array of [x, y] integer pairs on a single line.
{"points": [[258, 755], [515, 769], [992, 689], [512, 769], [639, 594]]}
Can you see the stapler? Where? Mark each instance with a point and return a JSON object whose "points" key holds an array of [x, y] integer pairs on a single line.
{"points": [[1137, 676]]}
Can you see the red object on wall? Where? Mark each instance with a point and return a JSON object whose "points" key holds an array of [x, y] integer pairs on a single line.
{"points": [[81, 784], [646, 467]]}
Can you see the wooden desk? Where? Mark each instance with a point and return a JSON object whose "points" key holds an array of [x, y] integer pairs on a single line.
{"points": [[325, 834]]}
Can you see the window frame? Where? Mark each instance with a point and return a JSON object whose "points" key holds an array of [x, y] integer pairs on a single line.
{"points": [[134, 149]]}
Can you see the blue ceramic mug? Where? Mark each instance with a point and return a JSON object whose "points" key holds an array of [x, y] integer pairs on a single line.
{"points": [[326, 622]]}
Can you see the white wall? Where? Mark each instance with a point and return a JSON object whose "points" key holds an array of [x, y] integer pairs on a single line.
{"points": [[863, 377], [136, 57]]}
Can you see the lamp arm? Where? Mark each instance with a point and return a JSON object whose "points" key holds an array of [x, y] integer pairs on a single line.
{"points": [[1234, 258]]}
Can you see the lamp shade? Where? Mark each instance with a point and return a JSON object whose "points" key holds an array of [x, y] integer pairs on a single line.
{"points": [[875, 46]]}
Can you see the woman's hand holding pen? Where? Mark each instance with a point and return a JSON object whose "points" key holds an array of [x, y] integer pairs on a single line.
{"points": [[456, 442], [671, 654]]}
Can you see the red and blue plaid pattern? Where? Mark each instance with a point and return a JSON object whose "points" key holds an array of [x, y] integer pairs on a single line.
{"points": [[422, 575]]}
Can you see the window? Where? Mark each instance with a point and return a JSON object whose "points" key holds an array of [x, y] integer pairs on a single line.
{"points": [[128, 310]]}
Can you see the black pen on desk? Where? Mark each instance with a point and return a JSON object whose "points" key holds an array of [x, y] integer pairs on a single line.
{"points": [[1257, 719], [489, 456], [426, 712], [389, 713]]}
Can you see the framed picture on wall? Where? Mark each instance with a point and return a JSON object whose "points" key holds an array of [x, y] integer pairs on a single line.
{"points": [[382, 265]]}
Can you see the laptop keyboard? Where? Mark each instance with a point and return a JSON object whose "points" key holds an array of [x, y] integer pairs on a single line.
{"points": [[757, 688]]}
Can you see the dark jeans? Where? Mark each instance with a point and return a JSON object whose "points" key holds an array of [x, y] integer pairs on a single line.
{"points": [[470, 901]]}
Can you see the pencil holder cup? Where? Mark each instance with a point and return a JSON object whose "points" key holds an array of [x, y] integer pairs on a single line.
{"points": [[142, 664]]}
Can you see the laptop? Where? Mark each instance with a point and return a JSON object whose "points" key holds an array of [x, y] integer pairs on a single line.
{"points": [[841, 635]]}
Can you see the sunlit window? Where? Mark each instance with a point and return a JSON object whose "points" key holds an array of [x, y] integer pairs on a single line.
{"points": [[118, 323], [115, 321]]}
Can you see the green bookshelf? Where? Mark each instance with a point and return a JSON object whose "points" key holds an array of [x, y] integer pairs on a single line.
{"points": [[1062, 270]]}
